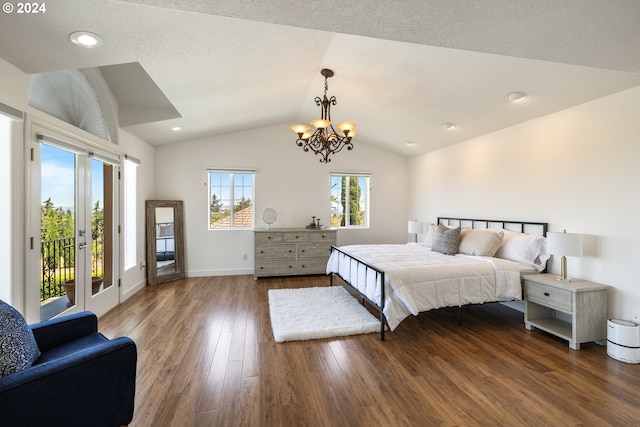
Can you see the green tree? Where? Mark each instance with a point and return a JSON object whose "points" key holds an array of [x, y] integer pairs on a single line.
{"points": [[241, 204], [217, 212], [216, 205], [354, 201]]}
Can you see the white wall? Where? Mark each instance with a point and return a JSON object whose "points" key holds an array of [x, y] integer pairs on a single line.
{"points": [[14, 86], [13, 92], [289, 180], [577, 169]]}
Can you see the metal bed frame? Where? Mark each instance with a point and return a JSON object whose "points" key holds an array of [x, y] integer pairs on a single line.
{"points": [[521, 226]]}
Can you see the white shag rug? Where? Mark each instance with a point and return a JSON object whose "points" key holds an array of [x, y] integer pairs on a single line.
{"points": [[320, 312]]}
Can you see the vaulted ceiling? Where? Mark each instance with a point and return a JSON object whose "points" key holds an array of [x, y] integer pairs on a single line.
{"points": [[402, 68]]}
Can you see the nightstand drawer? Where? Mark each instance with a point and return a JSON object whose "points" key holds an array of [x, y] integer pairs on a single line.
{"points": [[559, 299]]}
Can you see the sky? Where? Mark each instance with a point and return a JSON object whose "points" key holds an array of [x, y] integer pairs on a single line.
{"points": [[58, 177]]}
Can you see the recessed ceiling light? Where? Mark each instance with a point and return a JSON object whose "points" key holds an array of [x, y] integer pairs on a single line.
{"points": [[86, 39], [516, 96], [176, 128], [448, 126], [409, 143]]}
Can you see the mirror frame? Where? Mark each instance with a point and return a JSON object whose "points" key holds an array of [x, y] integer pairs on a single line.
{"points": [[178, 232]]}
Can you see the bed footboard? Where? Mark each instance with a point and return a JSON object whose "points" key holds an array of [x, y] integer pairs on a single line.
{"points": [[361, 274]]}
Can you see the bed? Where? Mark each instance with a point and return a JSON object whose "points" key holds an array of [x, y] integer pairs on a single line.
{"points": [[484, 264], [165, 242]]}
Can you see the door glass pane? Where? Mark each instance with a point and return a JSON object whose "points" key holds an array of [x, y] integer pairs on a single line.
{"points": [[101, 226], [57, 228]]}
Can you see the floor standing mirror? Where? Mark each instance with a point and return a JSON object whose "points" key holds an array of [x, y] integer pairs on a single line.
{"points": [[165, 241]]}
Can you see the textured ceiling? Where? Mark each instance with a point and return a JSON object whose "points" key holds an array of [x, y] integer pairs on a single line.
{"points": [[402, 67]]}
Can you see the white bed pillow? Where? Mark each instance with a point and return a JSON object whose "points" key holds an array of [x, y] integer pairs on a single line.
{"points": [[428, 240], [523, 247], [480, 242]]}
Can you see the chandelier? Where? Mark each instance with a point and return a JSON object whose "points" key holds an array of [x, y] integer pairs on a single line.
{"points": [[325, 140]]}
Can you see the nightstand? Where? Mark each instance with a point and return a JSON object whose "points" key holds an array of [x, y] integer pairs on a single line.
{"points": [[583, 303]]}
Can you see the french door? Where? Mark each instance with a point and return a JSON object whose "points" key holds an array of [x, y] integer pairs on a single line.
{"points": [[74, 246]]}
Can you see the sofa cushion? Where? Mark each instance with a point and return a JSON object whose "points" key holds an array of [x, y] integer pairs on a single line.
{"points": [[18, 347], [75, 347]]}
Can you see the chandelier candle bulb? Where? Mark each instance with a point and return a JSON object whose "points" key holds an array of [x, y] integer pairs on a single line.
{"points": [[300, 129], [320, 123], [350, 133]]}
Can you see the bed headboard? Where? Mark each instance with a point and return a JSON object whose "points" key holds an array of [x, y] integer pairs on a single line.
{"points": [[536, 228]]}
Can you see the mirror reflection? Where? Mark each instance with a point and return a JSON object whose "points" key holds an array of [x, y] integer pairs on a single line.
{"points": [[165, 241]]}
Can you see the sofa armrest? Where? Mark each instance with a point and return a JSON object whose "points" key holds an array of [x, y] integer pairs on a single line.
{"points": [[93, 387], [55, 332]]}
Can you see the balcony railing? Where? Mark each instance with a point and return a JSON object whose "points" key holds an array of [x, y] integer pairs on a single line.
{"points": [[57, 258]]}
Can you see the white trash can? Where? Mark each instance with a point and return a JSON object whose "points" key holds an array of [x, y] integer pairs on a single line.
{"points": [[623, 340]]}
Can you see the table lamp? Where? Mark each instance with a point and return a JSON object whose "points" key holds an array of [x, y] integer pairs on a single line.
{"points": [[415, 227], [564, 244]]}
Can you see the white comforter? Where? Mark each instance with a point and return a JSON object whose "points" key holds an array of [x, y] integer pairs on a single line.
{"points": [[417, 279]]}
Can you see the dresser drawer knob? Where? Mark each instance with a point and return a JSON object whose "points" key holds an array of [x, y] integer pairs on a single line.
{"points": [[268, 237]]}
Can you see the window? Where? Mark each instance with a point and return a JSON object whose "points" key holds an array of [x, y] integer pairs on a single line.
{"points": [[230, 199], [130, 212], [349, 200]]}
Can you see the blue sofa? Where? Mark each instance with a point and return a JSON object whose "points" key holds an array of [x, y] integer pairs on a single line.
{"points": [[80, 378]]}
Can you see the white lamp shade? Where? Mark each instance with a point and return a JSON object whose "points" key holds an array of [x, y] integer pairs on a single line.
{"points": [[567, 244], [415, 227]]}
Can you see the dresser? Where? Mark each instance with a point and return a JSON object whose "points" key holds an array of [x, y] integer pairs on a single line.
{"points": [[575, 311], [292, 251]]}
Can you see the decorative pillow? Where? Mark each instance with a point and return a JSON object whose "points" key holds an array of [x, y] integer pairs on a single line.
{"points": [[445, 240], [525, 248], [480, 242], [18, 347], [428, 240]]}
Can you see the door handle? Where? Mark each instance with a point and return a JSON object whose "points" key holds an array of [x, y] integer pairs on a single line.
{"points": [[82, 245]]}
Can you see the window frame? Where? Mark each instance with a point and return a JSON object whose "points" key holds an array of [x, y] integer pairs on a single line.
{"points": [[231, 173], [364, 198]]}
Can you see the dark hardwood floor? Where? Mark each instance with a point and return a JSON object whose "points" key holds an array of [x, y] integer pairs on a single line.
{"points": [[206, 357]]}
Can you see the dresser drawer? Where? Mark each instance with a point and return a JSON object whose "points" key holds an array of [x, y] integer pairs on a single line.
{"points": [[269, 237], [327, 237], [314, 251], [295, 237], [276, 251], [549, 296], [276, 267], [312, 266]]}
